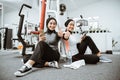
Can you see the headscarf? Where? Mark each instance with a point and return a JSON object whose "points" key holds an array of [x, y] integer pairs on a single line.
{"points": [[67, 22]]}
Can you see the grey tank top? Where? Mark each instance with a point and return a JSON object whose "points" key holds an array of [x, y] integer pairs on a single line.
{"points": [[52, 39]]}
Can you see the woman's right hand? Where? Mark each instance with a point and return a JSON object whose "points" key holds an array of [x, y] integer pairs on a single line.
{"points": [[42, 37]]}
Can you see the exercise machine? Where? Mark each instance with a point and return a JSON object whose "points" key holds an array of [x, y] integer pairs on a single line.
{"points": [[6, 38], [19, 34]]}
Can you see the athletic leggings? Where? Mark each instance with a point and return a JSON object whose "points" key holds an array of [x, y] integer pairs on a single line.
{"points": [[43, 53], [89, 59]]}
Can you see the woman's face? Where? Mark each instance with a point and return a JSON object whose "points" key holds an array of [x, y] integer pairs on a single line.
{"points": [[70, 26], [52, 24]]}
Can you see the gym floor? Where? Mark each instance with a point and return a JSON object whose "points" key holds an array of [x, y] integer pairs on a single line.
{"points": [[10, 61]]}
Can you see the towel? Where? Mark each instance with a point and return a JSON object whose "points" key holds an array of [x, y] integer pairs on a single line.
{"points": [[76, 64]]}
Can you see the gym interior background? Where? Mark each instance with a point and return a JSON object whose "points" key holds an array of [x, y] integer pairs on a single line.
{"points": [[102, 18]]}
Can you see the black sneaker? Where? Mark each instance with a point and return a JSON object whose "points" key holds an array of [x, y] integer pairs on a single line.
{"points": [[54, 64], [23, 71]]}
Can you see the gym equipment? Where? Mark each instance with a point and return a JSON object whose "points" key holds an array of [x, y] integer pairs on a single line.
{"points": [[42, 19], [2, 36], [25, 44], [82, 22], [62, 9], [6, 38], [43, 10]]}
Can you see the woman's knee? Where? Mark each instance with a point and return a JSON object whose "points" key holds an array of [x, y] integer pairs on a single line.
{"points": [[41, 42], [87, 37]]}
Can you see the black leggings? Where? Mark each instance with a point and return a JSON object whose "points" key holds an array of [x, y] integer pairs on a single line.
{"points": [[43, 53], [89, 59]]}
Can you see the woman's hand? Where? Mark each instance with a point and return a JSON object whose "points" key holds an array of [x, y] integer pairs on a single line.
{"points": [[67, 34], [42, 37], [60, 33]]}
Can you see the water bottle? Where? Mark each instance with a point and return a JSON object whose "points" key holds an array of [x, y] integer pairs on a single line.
{"points": [[69, 56]]}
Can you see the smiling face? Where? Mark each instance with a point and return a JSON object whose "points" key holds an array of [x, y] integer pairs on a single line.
{"points": [[52, 24], [70, 26]]}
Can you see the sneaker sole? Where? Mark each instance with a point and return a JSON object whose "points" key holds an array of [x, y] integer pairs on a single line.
{"points": [[22, 74], [105, 61]]}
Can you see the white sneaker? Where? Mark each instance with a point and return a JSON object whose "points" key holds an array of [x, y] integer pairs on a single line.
{"points": [[105, 59], [23, 71]]}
